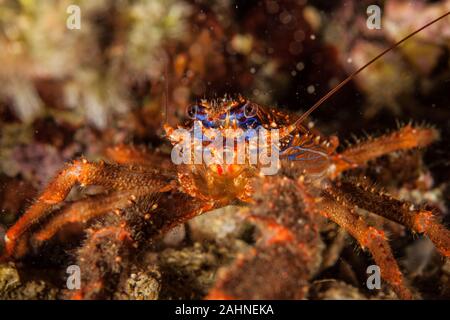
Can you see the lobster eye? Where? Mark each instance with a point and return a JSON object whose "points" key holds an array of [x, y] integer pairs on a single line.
{"points": [[250, 110], [192, 111]]}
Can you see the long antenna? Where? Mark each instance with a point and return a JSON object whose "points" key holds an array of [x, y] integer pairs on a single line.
{"points": [[292, 127]]}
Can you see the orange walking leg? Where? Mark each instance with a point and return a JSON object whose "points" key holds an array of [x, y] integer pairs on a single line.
{"points": [[407, 137], [421, 221], [85, 210], [368, 237], [113, 177]]}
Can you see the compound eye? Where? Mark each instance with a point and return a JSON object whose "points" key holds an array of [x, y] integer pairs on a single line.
{"points": [[192, 111], [250, 110]]}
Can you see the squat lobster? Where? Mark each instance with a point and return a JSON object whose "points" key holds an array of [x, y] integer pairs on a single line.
{"points": [[148, 195]]}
